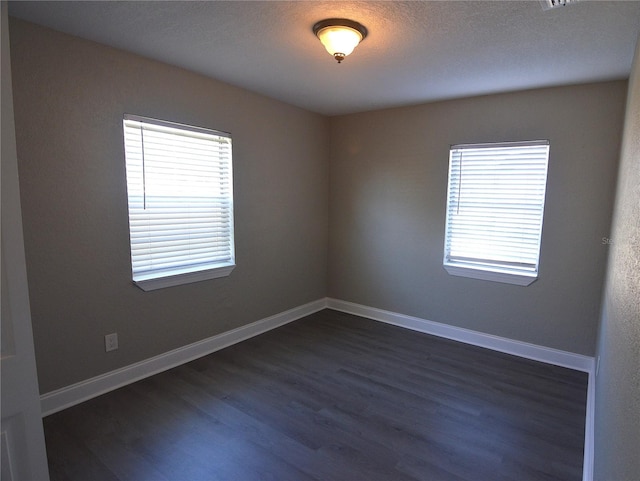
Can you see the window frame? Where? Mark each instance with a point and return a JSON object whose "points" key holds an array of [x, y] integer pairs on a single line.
{"points": [[484, 269], [185, 274]]}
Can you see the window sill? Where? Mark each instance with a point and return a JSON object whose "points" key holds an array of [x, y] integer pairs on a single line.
{"points": [[151, 282], [495, 275]]}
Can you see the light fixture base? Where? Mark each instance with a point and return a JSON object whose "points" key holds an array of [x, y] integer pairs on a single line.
{"points": [[340, 22]]}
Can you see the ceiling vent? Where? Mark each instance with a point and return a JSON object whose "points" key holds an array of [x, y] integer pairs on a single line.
{"points": [[549, 4]]}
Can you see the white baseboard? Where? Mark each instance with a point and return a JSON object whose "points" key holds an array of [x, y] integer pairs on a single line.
{"points": [[589, 429], [68, 396], [548, 355], [518, 348]]}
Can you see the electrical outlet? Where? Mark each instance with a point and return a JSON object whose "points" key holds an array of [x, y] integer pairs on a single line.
{"points": [[111, 342]]}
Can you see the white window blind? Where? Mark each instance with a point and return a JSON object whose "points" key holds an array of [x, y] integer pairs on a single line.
{"points": [[180, 191], [495, 207]]}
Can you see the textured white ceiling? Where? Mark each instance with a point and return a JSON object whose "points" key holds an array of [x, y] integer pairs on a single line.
{"points": [[416, 51]]}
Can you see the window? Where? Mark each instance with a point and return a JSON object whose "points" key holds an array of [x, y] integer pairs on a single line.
{"points": [[495, 205], [180, 191]]}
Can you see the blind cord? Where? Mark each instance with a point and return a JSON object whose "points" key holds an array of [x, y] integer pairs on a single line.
{"points": [[144, 179], [459, 183]]}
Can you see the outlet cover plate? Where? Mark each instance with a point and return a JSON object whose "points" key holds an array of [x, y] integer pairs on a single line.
{"points": [[111, 342]]}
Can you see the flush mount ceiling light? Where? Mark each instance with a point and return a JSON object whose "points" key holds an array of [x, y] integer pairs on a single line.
{"points": [[339, 36]]}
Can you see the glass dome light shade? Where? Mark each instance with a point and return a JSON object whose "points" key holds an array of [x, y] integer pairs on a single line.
{"points": [[339, 39]]}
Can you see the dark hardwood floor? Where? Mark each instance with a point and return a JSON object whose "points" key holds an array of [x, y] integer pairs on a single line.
{"points": [[332, 397]]}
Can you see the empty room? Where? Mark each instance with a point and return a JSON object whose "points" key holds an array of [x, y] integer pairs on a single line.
{"points": [[321, 240]]}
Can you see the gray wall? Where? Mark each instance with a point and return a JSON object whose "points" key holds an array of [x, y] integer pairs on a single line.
{"points": [[617, 417], [379, 177], [70, 95], [388, 180]]}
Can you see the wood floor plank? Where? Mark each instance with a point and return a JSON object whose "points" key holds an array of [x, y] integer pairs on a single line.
{"points": [[332, 397]]}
